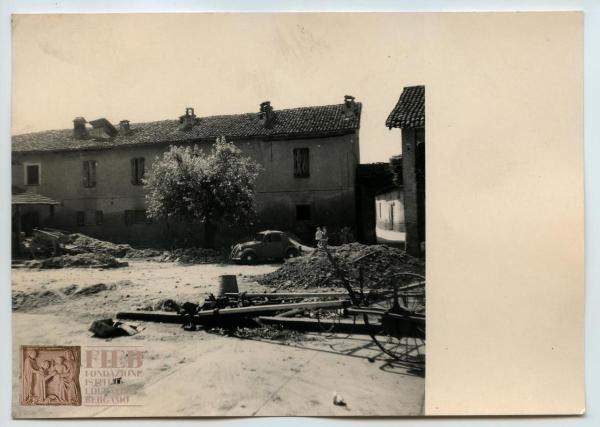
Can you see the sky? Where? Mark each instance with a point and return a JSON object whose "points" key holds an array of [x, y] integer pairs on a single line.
{"points": [[150, 67]]}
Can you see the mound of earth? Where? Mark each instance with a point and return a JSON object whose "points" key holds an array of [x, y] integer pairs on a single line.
{"points": [[98, 260], [381, 266], [82, 243], [23, 301], [180, 255]]}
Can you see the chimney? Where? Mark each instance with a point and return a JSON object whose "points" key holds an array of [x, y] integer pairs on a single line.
{"points": [[267, 115], [124, 128], [350, 106], [79, 129], [188, 120]]}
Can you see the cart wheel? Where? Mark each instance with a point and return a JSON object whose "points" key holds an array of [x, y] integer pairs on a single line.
{"points": [[326, 320], [399, 336]]}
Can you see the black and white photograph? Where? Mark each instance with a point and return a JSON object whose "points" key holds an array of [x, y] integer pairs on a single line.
{"points": [[247, 213]]}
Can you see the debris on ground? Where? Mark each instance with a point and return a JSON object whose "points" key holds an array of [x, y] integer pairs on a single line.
{"points": [[180, 255], [23, 301], [52, 243], [107, 328], [380, 265], [94, 289], [94, 260], [80, 243], [269, 332], [338, 399]]}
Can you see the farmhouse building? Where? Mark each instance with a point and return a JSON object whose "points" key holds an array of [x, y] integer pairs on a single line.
{"points": [[94, 170], [409, 116]]}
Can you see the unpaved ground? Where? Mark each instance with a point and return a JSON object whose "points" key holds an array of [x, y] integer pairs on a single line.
{"points": [[201, 374]]}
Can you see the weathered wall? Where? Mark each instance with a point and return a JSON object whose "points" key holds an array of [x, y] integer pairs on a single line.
{"points": [[329, 190], [389, 211], [414, 188]]}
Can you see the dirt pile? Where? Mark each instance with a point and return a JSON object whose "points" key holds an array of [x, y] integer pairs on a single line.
{"points": [[81, 243], [180, 255], [92, 260], [23, 301], [380, 266]]}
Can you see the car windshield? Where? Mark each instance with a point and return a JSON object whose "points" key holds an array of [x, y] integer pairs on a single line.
{"points": [[259, 237]]}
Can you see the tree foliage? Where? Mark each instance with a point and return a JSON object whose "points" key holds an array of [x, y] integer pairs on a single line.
{"points": [[188, 184]]}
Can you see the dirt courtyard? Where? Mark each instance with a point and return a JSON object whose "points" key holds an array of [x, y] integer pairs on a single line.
{"points": [[198, 373]]}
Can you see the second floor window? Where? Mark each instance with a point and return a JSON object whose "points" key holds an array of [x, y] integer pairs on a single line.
{"points": [[89, 173], [301, 163], [32, 174], [137, 171]]}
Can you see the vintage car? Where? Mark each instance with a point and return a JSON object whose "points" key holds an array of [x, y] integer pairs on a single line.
{"points": [[266, 245]]}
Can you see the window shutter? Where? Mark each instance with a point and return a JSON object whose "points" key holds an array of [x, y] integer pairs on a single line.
{"points": [[141, 169], [85, 174], [93, 173], [305, 164], [133, 171]]}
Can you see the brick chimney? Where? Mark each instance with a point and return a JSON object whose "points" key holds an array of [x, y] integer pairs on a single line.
{"points": [[267, 115], [350, 106], [188, 120], [124, 127], [79, 129]]}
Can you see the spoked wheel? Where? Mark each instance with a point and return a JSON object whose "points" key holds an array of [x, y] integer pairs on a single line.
{"points": [[326, 319], [395, 320]]}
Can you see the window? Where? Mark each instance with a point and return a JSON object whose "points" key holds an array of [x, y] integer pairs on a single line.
{"points": [[136, 217], [137, 170], [89, 173], [32, 174], [302, 212], [99, 217], [301, 163], [275, 237], [80, 218]]}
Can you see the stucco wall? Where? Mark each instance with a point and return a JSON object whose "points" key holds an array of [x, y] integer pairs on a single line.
{"points": [[389, 211], [329, 190]]}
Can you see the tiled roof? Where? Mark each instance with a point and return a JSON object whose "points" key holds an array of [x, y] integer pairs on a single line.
{"points": [[409, 112], [32, 199], [295, 122]]}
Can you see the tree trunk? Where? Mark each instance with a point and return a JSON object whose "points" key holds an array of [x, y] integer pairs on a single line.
{"points": [[209, 234]]}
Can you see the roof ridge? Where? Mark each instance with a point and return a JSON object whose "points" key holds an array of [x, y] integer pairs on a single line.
{"points": [[215, 116]]}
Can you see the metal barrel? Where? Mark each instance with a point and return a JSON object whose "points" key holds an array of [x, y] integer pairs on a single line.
{"points": [[227, 284]]}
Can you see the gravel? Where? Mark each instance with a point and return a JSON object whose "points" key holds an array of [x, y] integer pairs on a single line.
{"points": [[381, 266]]}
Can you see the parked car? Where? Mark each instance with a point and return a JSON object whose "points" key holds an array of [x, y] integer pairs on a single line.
{"points": [[266, 245]]}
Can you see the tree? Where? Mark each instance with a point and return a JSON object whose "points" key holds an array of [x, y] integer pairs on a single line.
{"points": [[215, 188]]}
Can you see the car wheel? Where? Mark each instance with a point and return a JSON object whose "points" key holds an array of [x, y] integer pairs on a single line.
{"points": [[248, 258], [291, 253]]}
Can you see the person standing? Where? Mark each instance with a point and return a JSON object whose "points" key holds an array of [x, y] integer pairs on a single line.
{"points": [[324, 238], [318, 237]]}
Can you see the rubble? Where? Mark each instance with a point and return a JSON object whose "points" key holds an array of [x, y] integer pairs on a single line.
{"points": [[22, 301], [338, 399], [48, 242], [80, 243], [379, 264], [180, 255], [268, 332], [92, 260]]}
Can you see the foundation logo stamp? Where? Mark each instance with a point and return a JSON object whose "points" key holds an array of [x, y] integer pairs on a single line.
{"points": [[50, 375]]}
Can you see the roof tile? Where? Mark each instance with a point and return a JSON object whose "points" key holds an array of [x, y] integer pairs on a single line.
{"points": [[304, 121], [409, 112]]}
